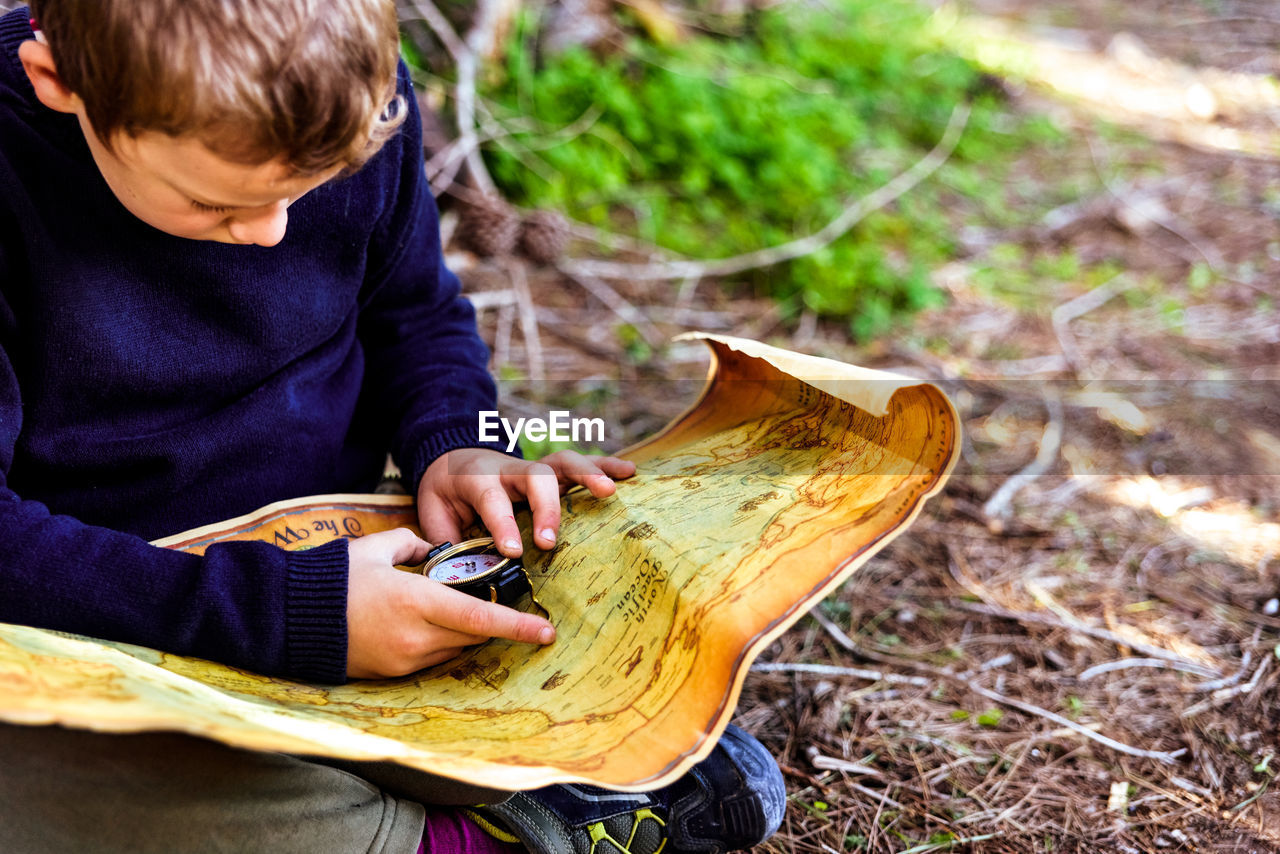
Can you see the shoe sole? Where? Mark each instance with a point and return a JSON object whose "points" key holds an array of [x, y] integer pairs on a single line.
{"points": [[736, 798]]}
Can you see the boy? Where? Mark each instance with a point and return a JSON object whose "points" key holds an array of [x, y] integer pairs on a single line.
{"points": [[221, 285]]}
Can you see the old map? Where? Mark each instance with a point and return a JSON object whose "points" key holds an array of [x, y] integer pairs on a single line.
{"points": [[768, 492]]}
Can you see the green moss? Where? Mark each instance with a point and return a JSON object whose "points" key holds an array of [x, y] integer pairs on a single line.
{"points": [[721, 146]]}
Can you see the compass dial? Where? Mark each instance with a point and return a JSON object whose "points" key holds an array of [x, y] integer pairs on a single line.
{"points": [[464, 567]]}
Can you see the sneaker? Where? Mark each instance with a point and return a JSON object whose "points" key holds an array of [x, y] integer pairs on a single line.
{"points": [[733, 799]]}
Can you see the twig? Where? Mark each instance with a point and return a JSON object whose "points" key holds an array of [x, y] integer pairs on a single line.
{"points": [[950, 843], [1162, 756], [848, 643], [837, 634], [1225, 694], [1125, 663], [528, 321], [1171, 223], [448, 225], [493, 299], [850, 217], [502, 336], [1076, 626], [832, 763], [1081, 305], [833, 670], [1230, 679], [684, 299], [616, 303], [997, 506], [440, 25], [995, 663], [548, 138], [479, 41], [1262, 790], [580, 335], [614, 241], [1188, 786], [464, 54], [1166, 757], [882, 797]]}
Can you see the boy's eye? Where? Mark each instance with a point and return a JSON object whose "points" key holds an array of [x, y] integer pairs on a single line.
{"points": [[201, 206]]}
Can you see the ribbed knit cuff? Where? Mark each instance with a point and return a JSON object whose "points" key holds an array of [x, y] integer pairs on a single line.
{"points": [[441, 442], [316, 613]]}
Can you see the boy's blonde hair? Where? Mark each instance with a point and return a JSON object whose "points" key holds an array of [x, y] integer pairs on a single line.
{"points": [[309, 81]]}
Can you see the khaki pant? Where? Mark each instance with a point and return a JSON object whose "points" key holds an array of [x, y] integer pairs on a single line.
{"points": [[68, 791]]}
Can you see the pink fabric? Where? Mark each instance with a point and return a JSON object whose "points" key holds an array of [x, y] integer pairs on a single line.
{"points": [[451, 832]]}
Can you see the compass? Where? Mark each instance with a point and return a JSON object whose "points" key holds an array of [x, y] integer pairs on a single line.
{"points": [[475, 567]]}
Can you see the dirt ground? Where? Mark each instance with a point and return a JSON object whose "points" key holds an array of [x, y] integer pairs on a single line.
{"points": [[1093, 664]]}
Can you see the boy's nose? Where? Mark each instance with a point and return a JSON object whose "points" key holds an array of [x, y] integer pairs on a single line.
{"points": [[264, 226]]}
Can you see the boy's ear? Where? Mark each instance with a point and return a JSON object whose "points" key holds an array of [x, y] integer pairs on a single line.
{"points": [[38, 62]]}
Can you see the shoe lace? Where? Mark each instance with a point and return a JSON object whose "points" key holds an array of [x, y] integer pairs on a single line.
{"points": [[641, 837]]}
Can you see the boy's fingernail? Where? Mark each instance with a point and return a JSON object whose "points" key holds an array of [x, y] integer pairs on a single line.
{"points": [[548, 535], [547, 635], [511, 544]]}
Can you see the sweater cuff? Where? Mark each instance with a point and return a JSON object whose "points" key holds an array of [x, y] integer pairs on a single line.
{"points": [[316, 613]]}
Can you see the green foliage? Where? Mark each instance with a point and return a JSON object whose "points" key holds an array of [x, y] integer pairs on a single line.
{"points": [[721, 146], [991, 718]]}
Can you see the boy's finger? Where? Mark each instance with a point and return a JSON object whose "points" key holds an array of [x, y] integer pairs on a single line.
{"points": [[541, 485], [397, 546], [617, 467], [439, 524], [595, 473], [477, 618], [493, 505]]}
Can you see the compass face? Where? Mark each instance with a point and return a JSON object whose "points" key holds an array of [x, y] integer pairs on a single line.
{"points": [[462, 568]]}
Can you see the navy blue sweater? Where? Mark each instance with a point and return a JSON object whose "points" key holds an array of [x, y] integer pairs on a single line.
{"points": [[150, 384]]}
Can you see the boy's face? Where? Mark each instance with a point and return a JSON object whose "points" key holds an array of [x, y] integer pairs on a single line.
{"points": [[180, 186], [177, 184]]}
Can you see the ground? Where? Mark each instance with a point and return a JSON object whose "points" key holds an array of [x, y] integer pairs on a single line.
{"points": [[1093, 663]]}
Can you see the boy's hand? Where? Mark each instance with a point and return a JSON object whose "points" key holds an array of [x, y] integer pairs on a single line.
{"points": [[398, 623], [470, 481]]}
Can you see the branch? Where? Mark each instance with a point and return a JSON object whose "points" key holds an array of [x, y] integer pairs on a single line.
{"points": [[1083, 304], [969, 684], [528, 320], [479, 43], [1159, 663], [1076, 626], [1167, 757], [1221, 696], [851, 216], [465, 57], [834, 670], [997, 506], [616, 303], [439, 25]]}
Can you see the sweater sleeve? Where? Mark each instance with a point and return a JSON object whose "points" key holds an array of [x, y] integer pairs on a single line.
{"points": [[427, 366], [249, 605]]}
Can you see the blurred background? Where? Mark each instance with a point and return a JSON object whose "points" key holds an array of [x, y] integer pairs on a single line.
{"points": [[1067, 214]]}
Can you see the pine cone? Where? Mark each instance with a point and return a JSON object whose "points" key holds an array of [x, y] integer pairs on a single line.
{"points": [[489, 227], [543, 236]]}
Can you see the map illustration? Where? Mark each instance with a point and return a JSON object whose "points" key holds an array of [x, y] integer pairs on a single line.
{"points": [[783, 478]]}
